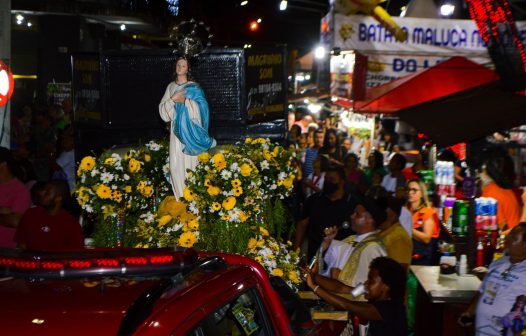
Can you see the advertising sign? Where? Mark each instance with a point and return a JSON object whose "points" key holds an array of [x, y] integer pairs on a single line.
{"points": [[87, 101], [266, 83]]}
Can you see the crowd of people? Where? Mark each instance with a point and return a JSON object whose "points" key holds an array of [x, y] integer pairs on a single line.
{"points": [[360, 221], [37, 177], [355, 217]]}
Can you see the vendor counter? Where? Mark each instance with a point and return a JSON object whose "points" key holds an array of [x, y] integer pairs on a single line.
{"points": [[440, 300]]}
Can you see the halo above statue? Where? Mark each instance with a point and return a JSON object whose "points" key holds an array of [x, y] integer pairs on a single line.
{"points": [[191, 37]]}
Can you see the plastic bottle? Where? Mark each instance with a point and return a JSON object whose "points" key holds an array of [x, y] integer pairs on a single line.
{"points": [[480, 254], [463, 265]]}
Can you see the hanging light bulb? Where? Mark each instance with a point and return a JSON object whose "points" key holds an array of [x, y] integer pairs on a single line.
{"points": [[283, 5]]}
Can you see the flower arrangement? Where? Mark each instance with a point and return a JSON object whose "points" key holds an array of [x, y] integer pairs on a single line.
{"points": [[172, 225], [224, 191], [278, 171], [274, 166], [231, 201], [118, 189], [275, 257]]}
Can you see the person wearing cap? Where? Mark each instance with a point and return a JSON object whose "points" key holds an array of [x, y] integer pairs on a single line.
{"points": [[14, 199], [352, 265]]}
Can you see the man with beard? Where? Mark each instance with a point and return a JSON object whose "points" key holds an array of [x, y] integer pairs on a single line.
{"points": [[331, 207]]}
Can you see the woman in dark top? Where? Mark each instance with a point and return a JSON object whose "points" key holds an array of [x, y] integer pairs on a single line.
{"points": [[385, 308], [331, 148]]}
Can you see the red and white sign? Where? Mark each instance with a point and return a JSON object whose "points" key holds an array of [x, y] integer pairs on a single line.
{"points": [[6, 83]]}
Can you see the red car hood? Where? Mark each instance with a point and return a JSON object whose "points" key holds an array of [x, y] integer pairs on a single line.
{"points": [[67, 307]]}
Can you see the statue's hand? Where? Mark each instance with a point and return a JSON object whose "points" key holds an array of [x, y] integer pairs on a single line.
{"points": [[179, 96]]}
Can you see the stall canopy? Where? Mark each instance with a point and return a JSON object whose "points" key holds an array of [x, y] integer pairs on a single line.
{"points": [[468, 114], [451, 76]]}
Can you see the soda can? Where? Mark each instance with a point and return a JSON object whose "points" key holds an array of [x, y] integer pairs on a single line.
{"points": [[460, 218], [492, 207], [478, 206]]}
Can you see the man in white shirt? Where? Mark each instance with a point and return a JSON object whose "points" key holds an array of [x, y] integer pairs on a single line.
{"points": [[349, 260]]}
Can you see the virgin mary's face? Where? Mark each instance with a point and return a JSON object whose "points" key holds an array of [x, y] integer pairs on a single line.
{"points": [[181, 68]]}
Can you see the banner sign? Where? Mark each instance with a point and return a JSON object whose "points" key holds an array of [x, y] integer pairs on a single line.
{"points": [[425, 36], [386, 68], [87, 100], [266, 83]]}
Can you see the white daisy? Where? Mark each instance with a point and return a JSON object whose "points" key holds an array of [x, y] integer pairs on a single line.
{"points": [[226, 174], [264, 165], [234, 167], [106, 178]]}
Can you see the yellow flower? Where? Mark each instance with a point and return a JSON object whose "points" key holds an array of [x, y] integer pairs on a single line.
{"points": [[186, 217], [87, 163], [187, 239], [242, 216], [194, 224], [147, 191], [236, 183], [245, 169], [225, 217], [216, 206], [171, 206], [277, 272], [288, 181], [103, 191], [263, 231], [289, 243], [208, 183], [213, 191], [267, 155], [219, 161], [248, 140], [108, 211], [203, 157], [108, 161], [134, 166], [164, 220], [259, 260], [82, 191], [116, 196], [252, 243], [293, 276], [188, 195], [229, 203], [147, 158], [275, 152], [237, 191], [261, 242], [127, 189]]}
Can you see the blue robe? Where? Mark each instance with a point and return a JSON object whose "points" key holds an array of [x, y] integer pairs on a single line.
{"points": [[194, 137]]}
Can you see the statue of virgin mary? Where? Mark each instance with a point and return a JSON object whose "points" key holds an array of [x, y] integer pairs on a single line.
{"points": [[184, 105]]}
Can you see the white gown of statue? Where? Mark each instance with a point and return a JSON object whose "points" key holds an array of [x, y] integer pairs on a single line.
{"points": [[179, 161]]}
